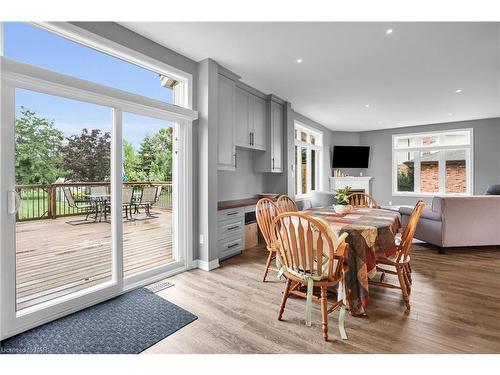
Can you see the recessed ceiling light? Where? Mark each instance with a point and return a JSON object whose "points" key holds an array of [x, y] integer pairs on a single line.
{"points": [[389, 31], [458, 91], [299, 61], [367, 105]]}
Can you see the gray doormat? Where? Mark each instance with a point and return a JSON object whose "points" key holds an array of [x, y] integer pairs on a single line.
{"points": [[127, 324]]}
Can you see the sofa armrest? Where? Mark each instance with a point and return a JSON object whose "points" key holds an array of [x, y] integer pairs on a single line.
{"points": [[426, 214]]}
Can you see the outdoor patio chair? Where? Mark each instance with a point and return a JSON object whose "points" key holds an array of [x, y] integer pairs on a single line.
{"points": [[158, 193], [127, 196], [81, 205], [98, 190], [147, 199]]}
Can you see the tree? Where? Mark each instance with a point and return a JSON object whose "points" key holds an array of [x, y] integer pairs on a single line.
{"points": [[155, 158], [38, 144], [131, 164], [146, 155], [405, 181], [86, 157], [162, 145]]}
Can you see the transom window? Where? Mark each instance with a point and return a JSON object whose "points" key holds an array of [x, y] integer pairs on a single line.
{"points": [[45, 48], [433, 163], [308, 151]]}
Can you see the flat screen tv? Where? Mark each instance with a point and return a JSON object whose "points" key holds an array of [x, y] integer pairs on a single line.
{"points": [[350, 156]]}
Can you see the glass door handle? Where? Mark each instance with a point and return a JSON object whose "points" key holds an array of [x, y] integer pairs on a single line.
{"points": [[14, 202]]}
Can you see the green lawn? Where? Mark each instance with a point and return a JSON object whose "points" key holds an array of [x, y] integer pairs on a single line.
{"points": [[37, 208]]}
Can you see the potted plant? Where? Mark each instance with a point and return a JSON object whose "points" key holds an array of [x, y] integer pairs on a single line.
{"points": [[342, 206]]}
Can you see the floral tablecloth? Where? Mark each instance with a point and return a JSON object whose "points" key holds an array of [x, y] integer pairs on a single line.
{"points": [[371, 232]]}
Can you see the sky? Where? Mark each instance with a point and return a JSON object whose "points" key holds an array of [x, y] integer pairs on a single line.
{"points": [[28, 44]]}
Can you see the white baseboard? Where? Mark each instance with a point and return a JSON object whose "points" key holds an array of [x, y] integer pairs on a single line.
{"points": [[207, 266]]}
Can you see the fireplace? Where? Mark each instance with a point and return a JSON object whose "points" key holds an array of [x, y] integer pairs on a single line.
{"points": [[357, 184]]}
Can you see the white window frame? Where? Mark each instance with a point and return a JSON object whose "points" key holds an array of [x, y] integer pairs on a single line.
{"points": [[182, 92], [469, 160], [318, 147], [16, 74]]}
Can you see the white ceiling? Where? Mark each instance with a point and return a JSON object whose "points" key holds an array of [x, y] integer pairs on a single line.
{"points": [[407, 77]]}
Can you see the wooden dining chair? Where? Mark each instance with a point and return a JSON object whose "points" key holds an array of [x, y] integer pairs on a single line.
{"points": [[399, 263], [312, 256], [362, 200], [286, 204], [265, 212]]}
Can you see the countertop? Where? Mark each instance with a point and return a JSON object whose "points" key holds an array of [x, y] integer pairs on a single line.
{"points": [[224, 205]]}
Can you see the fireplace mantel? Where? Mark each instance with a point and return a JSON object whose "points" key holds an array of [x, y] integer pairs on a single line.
{"points": [[355, 183]]}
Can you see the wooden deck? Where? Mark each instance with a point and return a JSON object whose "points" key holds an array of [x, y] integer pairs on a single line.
{"points": [[455, 303], [55, 258]]}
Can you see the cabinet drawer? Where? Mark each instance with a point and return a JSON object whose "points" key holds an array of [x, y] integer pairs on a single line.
{"points": [[230, 247], [234, 213], [231, 228]]}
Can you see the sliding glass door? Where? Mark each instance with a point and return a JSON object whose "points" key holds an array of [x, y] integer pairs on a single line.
{"points": [[94, 204], [149, 195], [63, 184]]}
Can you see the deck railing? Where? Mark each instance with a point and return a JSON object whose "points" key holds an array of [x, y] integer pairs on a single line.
{"points": [[49, 201]]}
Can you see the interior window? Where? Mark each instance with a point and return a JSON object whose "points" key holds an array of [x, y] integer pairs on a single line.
{"points": [[433, 163], [308, 149]]}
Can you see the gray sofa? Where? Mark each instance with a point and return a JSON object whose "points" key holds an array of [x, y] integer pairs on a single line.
{"points": [[317, 198], [459, 221]]}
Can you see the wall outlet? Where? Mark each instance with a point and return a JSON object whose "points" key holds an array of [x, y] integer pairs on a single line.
{"points": [[390, 203], [202, 239]]}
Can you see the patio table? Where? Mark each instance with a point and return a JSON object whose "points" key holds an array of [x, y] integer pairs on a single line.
{"points": [[100, 201], [371, 233]]}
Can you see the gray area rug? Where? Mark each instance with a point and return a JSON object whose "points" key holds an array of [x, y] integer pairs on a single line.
{"points": [[127, 324]]}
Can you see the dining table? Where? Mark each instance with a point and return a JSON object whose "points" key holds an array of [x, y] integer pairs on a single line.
{"points": [[371, 234]]}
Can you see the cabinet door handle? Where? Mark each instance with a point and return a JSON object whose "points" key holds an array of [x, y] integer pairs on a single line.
{"points": [[232, 213], [233, 227], [273, 164], [253, 141], [233, 245], [235, 163]]}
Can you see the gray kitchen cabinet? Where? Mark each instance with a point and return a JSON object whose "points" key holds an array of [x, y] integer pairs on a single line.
{"points": [[250, 120], [231, 232], [258, 106], [226, 148], [272, 160], [242, 117]]}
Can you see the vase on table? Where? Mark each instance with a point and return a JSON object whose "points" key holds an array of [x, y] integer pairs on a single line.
{"points": [[342, 209]]}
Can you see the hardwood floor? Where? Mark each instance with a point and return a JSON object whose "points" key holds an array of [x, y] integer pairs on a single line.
{"points": [[455, 309], [54, 258]]}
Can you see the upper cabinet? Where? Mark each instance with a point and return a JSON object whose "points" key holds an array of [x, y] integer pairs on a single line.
{"points": [[276, 137], [250, 120], [226, 118], [272, 160], [259, 123], [247, 120]]}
